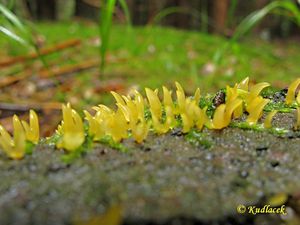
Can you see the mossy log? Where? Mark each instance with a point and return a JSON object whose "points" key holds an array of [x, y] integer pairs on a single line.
{"points": [[168, 179]]}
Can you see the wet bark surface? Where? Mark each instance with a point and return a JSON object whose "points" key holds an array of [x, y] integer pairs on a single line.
{"points": [[165, 180]]}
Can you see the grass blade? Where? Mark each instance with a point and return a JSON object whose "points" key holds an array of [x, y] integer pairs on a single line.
{"points": [[13, 36], [250, 21], [198, 15], [166, 12], [204, 16], [105, 26], [12, 18], [231, 11], [19, 31], [126, 12], [255, 17]]}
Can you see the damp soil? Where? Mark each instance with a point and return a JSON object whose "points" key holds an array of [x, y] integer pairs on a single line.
{"points": [[165, 180]]}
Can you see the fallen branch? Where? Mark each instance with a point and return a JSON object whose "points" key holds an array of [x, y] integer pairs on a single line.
{"points": [[57, 71], [87, 64], [42, 51], [8, 80]]}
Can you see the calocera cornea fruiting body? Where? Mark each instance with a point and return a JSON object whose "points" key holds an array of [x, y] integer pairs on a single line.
{"points": [[96, 130], [15, 147], [114, 123], [255, 109], [244, 84], [156, 110], [71, 130], [154, 103], [234, 93], [188, 109], [223, 114], [256, 90], [128, 120], [133, 112], [269, 118], [290, 96], [32, 130], [297, 124]]}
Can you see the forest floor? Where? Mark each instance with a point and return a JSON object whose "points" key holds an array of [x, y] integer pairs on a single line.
{"points": [[153, 56], [137, 58], [169, 179]]}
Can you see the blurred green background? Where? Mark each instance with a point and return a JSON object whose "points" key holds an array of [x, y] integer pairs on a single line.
{"points": [[129, 44]]}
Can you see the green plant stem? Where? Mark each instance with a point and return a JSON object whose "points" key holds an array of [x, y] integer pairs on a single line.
{"points": [[254, 18], [105, 27]]}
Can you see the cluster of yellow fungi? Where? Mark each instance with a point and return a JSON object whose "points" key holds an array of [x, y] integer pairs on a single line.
{"points": [[15, 147], [128, 120]]}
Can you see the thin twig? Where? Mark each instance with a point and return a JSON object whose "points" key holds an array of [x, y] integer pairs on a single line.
{"points": [[43, 51], [8, 80]]}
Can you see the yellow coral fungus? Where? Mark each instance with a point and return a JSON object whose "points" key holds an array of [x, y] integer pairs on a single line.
{"points": [[140, 131], [141, 128], [197, 96], [189, 110], [71, 129], [232, 94], [102, 115], [253, 96], [290, 96], [244, 84], [140, 105], [268, 120], [159, 126], [297, 124], [13, 147], [223, 114], [242, 90], [232, 108], [154, 102], [95, 129], [133, 111], [163, 127], [114, 123], [256, 89], [118, 98], [191, 114], [168, 102], [129, 120], [238, 112], [117, 126], [32, 130], [255, 109], [181, 101], [219, 120], [201, 116]]}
